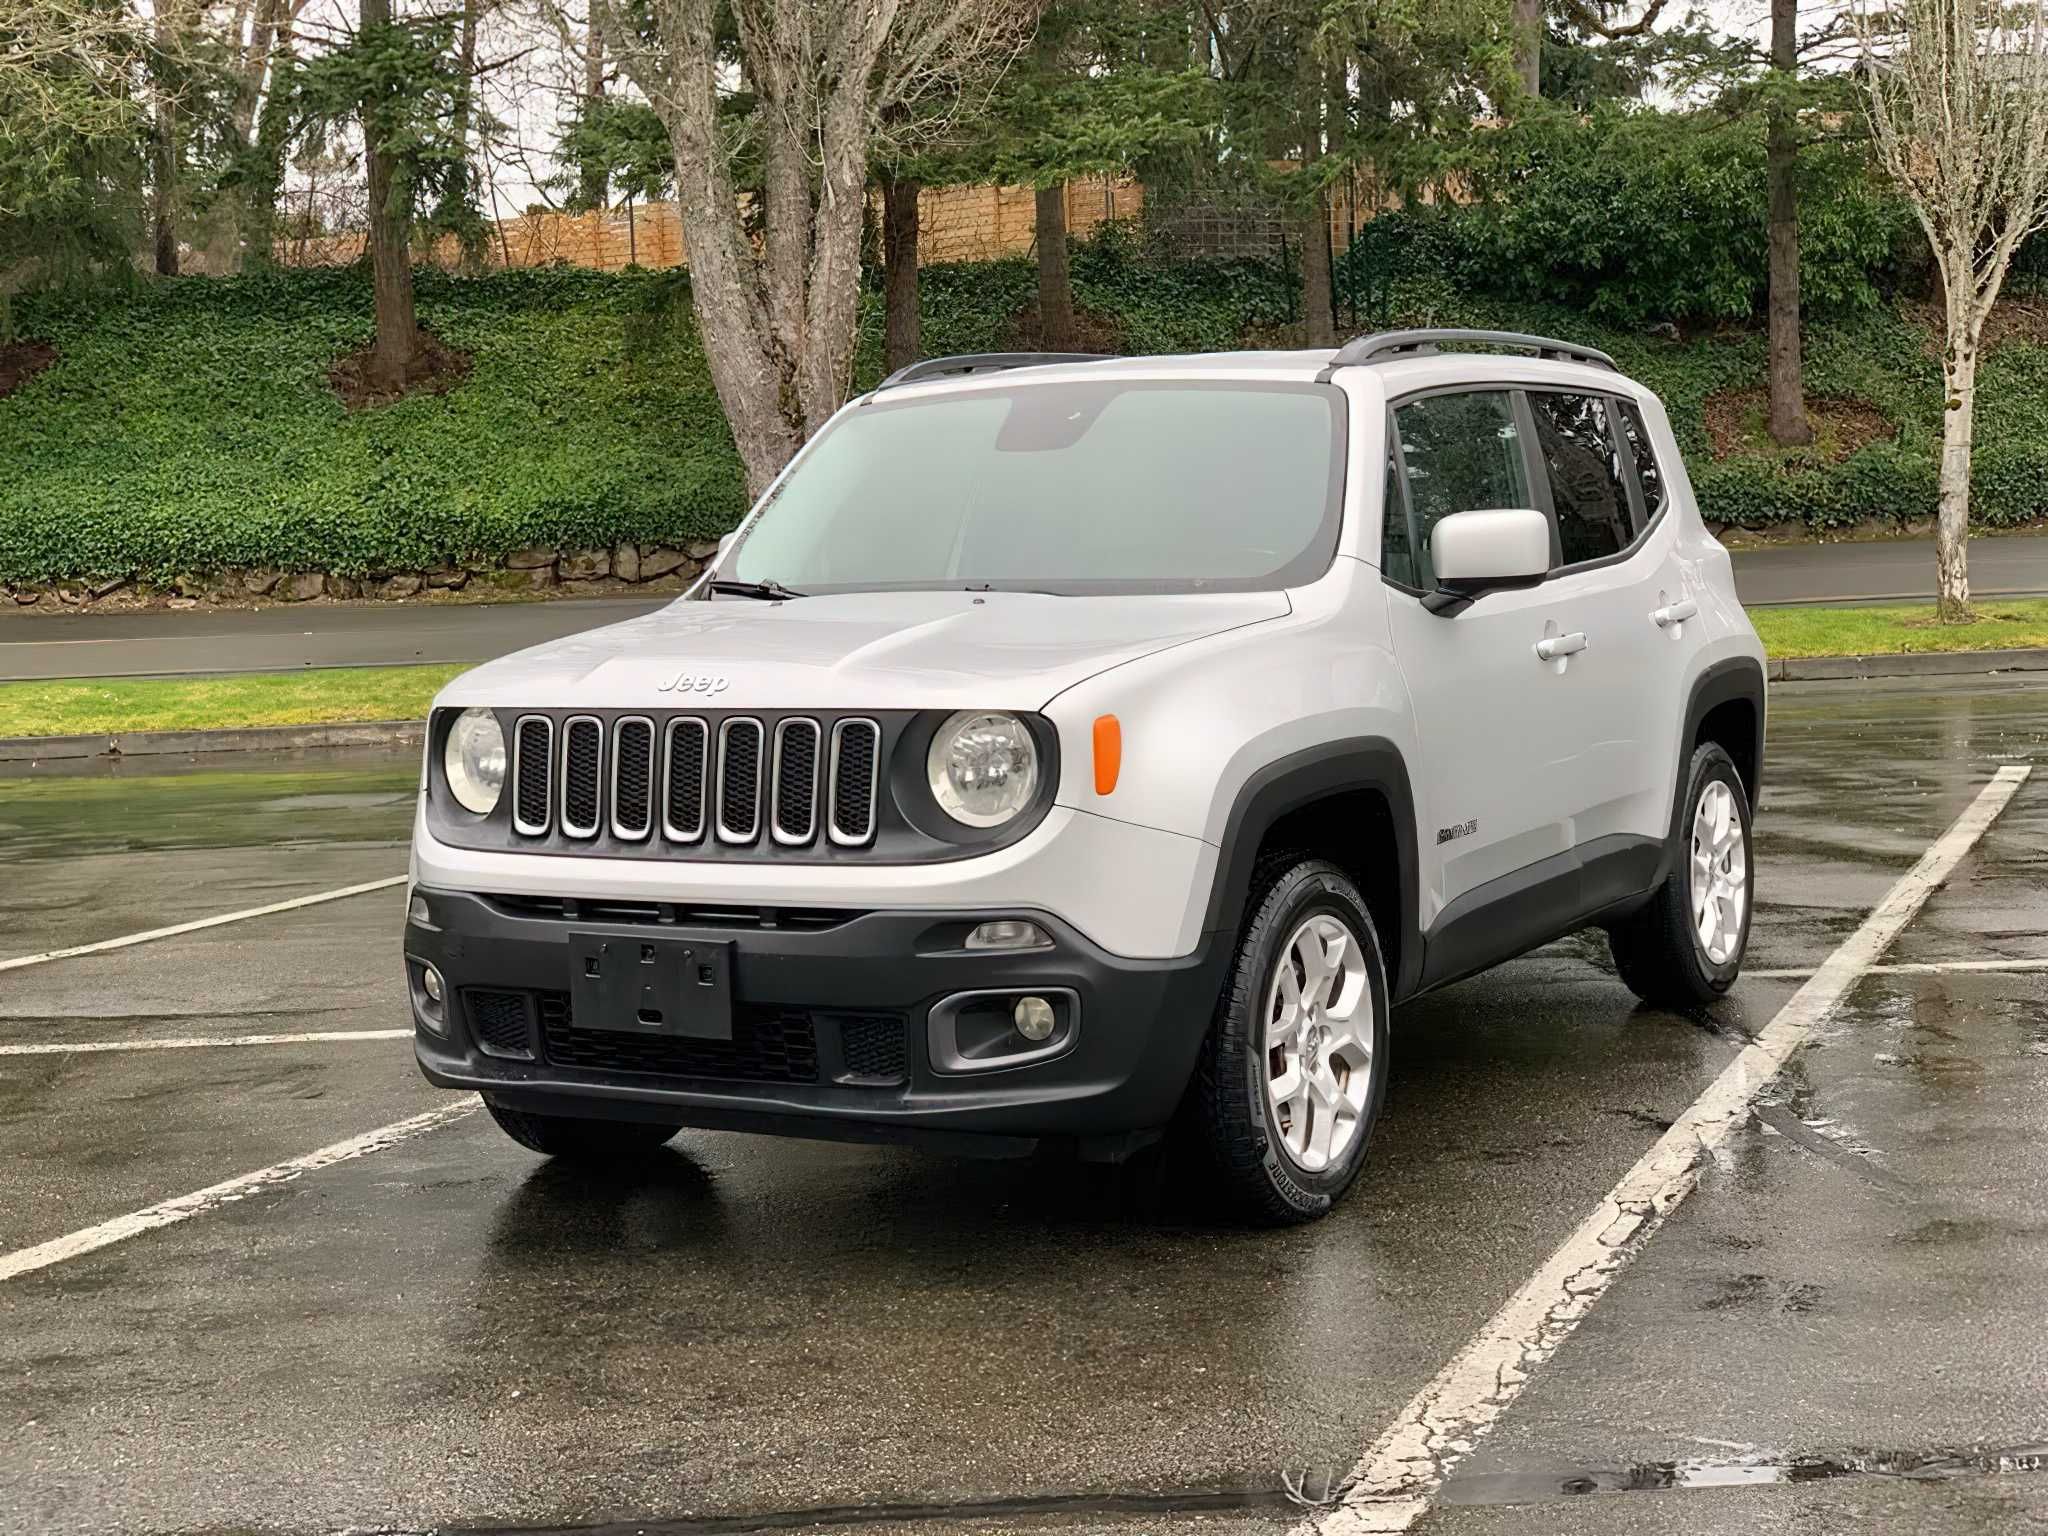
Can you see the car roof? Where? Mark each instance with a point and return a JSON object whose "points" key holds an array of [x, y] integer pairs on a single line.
{"points": [[1399, 375]]}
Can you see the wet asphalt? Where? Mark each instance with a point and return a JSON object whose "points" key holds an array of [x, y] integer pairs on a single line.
{"points": [[1842, 1330]]}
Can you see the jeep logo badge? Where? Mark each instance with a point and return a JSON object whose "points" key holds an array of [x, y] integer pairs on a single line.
{"points": [[694, 682]]}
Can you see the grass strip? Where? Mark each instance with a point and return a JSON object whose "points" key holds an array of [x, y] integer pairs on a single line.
{"points": [[330, 696], [2002, 624]]}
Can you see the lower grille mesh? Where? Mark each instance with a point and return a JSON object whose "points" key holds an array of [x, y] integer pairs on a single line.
{"points": [[874, 1047], [767, 1046], [499, 1022]]}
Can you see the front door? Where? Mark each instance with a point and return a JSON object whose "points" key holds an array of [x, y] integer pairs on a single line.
{"points": [[1501, 729]]}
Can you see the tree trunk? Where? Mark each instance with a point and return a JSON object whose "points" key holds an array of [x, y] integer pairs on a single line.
{"points": [[902, 331], [472, 231], [1049, 228], [593, 191], [1952, 528], [164, 239], [1318, 317], [1788, 405], [1526, 22], [390, 258], [1055, 281]]}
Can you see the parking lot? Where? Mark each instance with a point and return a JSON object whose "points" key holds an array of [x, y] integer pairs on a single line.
{"points": [[390, 1318]]}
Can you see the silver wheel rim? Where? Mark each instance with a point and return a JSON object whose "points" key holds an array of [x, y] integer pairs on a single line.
{"points": [[1319, 1056], [1720, 873]]}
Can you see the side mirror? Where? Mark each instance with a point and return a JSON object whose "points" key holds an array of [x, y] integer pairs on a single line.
{"points": [[725, 546], [1497, 550]]}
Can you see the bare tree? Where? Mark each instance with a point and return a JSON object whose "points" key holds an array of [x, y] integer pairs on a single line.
{"points": [[1781, 149], [779, 314], [1958, 94]]}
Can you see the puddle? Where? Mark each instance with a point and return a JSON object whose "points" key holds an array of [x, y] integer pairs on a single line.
{"points": [[1540, 1485]]}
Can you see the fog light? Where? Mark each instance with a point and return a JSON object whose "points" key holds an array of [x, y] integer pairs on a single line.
{"points": [[1008, 933], [431, 980], [1034, 1019], [416, 911]]}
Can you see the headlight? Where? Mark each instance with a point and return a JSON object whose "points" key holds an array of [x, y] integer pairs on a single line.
{"points": [[983, 768], [474, 760]]}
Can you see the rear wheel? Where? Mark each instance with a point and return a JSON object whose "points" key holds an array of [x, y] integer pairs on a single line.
{"points": [[1293, 1072], [1685, 948], [582, 1140]]}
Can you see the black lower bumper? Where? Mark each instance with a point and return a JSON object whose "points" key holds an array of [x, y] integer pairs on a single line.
{"points": [[830, 1026]]}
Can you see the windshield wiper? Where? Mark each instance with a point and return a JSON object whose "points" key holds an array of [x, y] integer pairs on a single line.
{"points": [[769, 591]]}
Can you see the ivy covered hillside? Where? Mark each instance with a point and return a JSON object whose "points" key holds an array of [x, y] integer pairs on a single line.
{"points": [[191, 426]]}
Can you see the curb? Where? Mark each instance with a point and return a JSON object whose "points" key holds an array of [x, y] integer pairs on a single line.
{"points": [[1813, 669], [255, 738]]}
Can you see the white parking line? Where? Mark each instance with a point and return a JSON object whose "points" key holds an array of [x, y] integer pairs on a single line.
{"points": [[1918, 968], [204, 922], [213, 1197], [204, 1042], [1399, 1474]]}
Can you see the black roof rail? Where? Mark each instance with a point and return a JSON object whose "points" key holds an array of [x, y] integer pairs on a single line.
{"points": [[1387, 346], [982, 362]]}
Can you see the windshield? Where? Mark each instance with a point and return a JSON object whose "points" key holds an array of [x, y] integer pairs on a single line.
{"points": [[1073, 488]]}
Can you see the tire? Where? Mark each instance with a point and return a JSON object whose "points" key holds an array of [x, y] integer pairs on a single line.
{"points": [[580, 1140], [1262, 1143], [1659, 951]]}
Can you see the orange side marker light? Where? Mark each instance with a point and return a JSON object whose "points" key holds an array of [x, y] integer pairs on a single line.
{"points": [[1109, 753]]}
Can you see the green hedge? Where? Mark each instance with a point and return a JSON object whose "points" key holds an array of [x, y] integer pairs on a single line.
{"points": [[188, 427]]}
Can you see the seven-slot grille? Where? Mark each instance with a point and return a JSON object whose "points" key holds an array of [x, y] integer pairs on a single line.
{"points": [[685, 779]]}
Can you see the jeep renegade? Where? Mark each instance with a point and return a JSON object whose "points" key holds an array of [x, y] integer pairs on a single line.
{"points": [[1065, 746]]}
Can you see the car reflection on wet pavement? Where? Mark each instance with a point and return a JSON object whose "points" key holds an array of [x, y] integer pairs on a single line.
{"points": [[1841, 1330]]}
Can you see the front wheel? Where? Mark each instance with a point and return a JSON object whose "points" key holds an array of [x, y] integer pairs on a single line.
{"points": [[578, 1139], [1685, 948], [1294, 1069]]}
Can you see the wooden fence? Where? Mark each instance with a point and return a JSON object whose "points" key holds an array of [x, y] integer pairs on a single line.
{"points": [[954, 224]]}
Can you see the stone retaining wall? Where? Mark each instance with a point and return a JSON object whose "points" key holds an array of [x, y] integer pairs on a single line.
{"points": [[568, 572]]}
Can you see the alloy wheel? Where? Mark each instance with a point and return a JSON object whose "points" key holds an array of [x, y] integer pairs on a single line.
{"points": [[1319, 1042], [1720, 873]]}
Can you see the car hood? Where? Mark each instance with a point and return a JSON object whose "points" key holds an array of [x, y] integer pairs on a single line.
{"points": [[877, 650]]}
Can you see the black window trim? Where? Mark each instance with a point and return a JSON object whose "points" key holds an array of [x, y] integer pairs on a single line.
{"points": [[1533, 471]]}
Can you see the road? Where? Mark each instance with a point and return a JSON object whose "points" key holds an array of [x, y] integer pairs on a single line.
{"points": [[2013, 565], [40, 646], [430, 1328]]}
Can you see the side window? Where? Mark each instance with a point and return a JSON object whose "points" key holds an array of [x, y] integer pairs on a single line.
{"points": [[1397, 556], [1583, 462], [1648, 475], [1461, 453]]}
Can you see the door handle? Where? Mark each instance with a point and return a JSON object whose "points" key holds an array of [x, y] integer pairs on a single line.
{"points": [[1675, 613], [1561, 645]]}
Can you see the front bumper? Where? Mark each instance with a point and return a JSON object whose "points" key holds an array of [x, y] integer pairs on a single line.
{"points": [[831, 1030]]}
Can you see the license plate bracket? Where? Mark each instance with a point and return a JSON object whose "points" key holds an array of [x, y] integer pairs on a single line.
{"points": [[630, 985]]}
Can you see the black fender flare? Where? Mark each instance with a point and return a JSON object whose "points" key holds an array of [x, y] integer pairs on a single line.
{"points": [[1735, 679], [1370, 763]]}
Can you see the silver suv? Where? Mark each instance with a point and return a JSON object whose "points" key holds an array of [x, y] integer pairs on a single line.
{"points": [[1064, 747]]}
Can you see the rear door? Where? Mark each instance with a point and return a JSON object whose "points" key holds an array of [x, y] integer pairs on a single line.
{"points": [[1500, 731]]}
